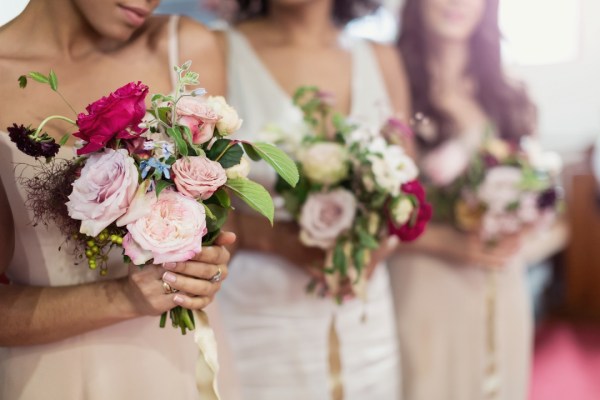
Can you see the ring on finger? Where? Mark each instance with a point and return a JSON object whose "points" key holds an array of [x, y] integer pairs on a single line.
{"points": [[167, 288], [216, 277]]}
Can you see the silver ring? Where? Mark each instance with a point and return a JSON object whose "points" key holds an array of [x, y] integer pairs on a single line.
{"points": [[217, 277], [167, 288]]}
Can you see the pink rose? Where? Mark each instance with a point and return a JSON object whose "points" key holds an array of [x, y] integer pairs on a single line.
{"points": [[171, 231], [325, 216], [199, 117], [444, 164], [104, 190], [116, 116], [198, 177]]}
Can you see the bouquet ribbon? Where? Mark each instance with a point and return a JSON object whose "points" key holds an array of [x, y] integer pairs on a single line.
{"points": [[207, 365]]}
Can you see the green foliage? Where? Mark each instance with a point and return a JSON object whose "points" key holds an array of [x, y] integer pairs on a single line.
{"points": [[253, 194], [276, 158], [162, 185]]}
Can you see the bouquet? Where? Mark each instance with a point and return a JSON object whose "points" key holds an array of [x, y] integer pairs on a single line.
{"points": [[499, 189], [156, 183], [356, 188]]}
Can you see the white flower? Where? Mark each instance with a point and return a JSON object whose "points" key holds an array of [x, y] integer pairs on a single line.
{"points": [[230, 120], [392, 168], [541, 160], [325, 162], [239, 171], [402, 210], [325, 216], [500, 188], [444, 164]]}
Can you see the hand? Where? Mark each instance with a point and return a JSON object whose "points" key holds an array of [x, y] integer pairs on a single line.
{"points": [[480, 253], [191, 278]]}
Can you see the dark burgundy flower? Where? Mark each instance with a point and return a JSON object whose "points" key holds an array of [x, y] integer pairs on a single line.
{"points": [[117, 115], [490, 161], [41, 146], [548, 199], [416, 225]]}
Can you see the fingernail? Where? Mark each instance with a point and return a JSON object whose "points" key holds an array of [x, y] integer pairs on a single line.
{"points": [[169, 277], [178, 299], [169, 265]]}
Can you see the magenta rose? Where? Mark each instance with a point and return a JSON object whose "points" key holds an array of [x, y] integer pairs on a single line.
{"points": [[416, 225], [199, 117], [198, 177], [171, 231], [104, 191], [117, 115]]}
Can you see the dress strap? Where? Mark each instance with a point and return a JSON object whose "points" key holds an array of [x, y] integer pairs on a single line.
{"points": [[173, 32]]}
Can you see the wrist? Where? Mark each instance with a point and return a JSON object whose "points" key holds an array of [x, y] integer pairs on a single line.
{"points": [[123, 299]]}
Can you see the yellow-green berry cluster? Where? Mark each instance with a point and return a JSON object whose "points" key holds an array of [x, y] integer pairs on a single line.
{"points": [[97, 249]]}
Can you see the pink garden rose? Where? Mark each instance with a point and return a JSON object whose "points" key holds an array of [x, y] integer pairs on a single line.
{"points": [[444, 164], [171, 231], [325, 216], [104, 190], [198, 177], [117, 115], [199, 117]]}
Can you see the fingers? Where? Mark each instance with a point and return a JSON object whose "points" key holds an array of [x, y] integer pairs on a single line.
{"points": [[213, 255], [225, 239], [191, 286], [192, 303], [197, 270]]}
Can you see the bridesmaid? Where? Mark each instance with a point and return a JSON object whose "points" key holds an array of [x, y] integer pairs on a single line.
{"points": [[67, 333], [280, 334], [453, 346]]}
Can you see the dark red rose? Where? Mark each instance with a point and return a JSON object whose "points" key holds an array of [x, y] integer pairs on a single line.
{"points": [[117, 115], [416, 225]]}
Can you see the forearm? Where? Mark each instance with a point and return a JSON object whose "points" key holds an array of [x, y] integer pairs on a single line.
{"points": [[37, 315]]}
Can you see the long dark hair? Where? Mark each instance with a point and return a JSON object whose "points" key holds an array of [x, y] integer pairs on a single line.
{"points": [[506, 104], [344, 11]]}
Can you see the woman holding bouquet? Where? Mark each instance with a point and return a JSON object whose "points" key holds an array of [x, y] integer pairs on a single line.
{"points": [[465, 331], [68, 333], [280, 334]]}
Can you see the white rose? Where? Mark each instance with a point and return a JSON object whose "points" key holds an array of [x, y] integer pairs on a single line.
{"points": [[325, 163], [325, 216], [230, 121], [239, 171], [501, 188], [402, 210], [392, 169]]}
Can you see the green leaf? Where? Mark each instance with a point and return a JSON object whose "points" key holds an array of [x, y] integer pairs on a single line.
{"points": [[217, 148], [187, 134], [64, 139], [339, 259], [223, 198], [53, 80], [367, 240], [253, 194], [281, 162], [22, 81], [181, 145], [209, 213], [162, 185], [38, 77], [359, 259], [254, 156], [219, 217], [232, 156]]}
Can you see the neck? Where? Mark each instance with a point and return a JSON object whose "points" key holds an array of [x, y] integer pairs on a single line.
{"points": [[308, 23], [61, 31], [448, 60]]}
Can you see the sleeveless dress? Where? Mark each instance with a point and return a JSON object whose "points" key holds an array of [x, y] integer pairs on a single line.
{"points": [[280, 334], [129, 360], [443, 310]]}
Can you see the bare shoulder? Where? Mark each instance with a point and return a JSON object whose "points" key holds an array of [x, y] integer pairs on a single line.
{"points": [[394, 75]]}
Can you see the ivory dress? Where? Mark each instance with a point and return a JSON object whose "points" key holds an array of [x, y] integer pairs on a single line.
{"points": [[129, 360], [279, 333]]}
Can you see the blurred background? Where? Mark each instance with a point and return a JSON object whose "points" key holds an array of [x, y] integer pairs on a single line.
{"points": [[554, 47]]}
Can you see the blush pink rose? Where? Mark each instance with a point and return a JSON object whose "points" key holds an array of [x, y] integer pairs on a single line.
{"points": [[325, 216], [444, 164], [198, 177], [117, 115], [104, 190], [171, 231], [199, 117]]}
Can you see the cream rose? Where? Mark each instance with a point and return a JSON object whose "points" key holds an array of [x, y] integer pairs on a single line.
{"points": [[198, 177], [104, 190], [230, 121], [171, 231], [401, 210], [392, 168], [239, 171], [325, 216], [326, 163]]}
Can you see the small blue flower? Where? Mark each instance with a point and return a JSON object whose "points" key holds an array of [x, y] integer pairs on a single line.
{"points": [[159, 167]]}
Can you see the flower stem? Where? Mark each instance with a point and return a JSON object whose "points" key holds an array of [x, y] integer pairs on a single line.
{"points": [[50, 118]]}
